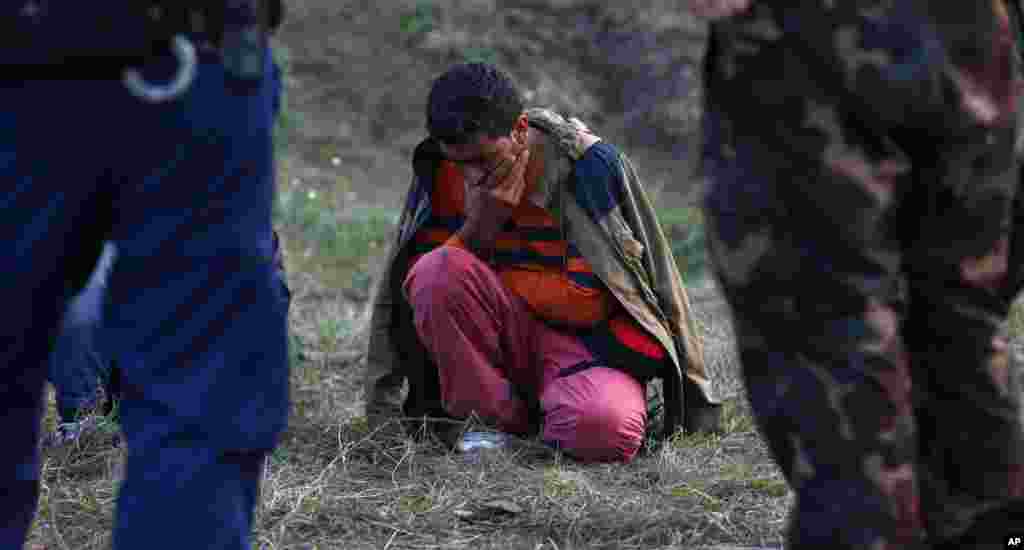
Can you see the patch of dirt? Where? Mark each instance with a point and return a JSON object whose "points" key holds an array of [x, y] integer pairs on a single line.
{"points": [[360, 71]]}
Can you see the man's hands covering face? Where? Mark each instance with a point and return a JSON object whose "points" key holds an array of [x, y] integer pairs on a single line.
{"points": [[491, 199]]}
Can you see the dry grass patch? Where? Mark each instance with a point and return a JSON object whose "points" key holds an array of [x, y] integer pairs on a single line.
{"points": [[334, 484], [77, 492]]}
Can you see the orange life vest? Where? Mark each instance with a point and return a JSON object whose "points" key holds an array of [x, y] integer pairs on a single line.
{"points": [[534, 260]]}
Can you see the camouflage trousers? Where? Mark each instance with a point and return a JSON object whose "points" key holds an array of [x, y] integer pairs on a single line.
{"points": [[872, 336]]}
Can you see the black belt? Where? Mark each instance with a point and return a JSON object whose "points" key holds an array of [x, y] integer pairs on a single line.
{"points": [[579, 367], [234, 30]]}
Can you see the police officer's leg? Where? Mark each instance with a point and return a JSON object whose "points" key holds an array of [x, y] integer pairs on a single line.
{"points": [[198, 317], [73, 366], [71, 369], [813, 287], [49, 240], [95, 363]]}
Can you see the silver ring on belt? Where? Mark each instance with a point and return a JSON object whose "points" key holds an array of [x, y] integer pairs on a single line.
{"points": [[185, 53]]}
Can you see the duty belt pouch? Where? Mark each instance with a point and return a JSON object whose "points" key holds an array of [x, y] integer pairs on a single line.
{"points": [[243, 43], [102, 39], [236, 30]]}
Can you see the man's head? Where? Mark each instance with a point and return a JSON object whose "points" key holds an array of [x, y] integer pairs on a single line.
{"points": [[476, 112]]}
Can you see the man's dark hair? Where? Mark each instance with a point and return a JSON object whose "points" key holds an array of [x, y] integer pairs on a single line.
{"points": [[469, 99]]}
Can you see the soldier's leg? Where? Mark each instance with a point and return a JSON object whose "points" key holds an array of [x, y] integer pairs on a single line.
{"points": [[196, 311], [969, 411], [49, 241], [817, 310]]}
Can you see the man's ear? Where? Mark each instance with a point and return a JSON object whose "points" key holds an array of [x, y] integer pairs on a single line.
{"points": [[520, 128]]}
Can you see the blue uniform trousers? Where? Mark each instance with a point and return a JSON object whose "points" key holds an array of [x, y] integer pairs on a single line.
{"points": [[77, 362], [184, 189]]}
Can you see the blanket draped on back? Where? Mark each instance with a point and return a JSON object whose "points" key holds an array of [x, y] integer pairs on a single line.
{"points": [[607, 216]]}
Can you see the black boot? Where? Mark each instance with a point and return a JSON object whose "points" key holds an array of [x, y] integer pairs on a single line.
{"points": [[700, 415], [112, 389]]}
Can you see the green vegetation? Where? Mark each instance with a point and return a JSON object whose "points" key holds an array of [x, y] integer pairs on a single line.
{"points": [[338, 247], [684, 228], [484, 54], [422, 19], [287, 119], [1016, 319], [557, 485]]}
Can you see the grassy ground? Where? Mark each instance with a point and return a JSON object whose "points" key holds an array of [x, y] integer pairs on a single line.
{"points": [[330, 484]]}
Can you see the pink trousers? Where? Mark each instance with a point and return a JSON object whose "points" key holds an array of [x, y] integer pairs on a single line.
{"points": [[487, 345]]}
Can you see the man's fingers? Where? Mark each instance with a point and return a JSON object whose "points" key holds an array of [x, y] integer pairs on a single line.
{"points": [[518, 174], [501, 171], [497, 174], [512, 186]]}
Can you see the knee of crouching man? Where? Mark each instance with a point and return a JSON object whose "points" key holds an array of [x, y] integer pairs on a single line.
{"points": [[607, 433], [440, 271]]}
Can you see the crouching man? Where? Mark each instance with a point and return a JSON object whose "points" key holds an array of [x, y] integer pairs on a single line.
{"points": [[530, 283]]}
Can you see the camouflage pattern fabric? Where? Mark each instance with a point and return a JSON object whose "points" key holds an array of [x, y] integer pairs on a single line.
{"points": [[862, 176]]}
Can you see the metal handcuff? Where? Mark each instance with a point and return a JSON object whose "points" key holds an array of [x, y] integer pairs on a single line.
{"points": [[185, 54]]}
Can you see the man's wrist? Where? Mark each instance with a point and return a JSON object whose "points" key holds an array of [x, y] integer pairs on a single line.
{"points": [[472, 240]]}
